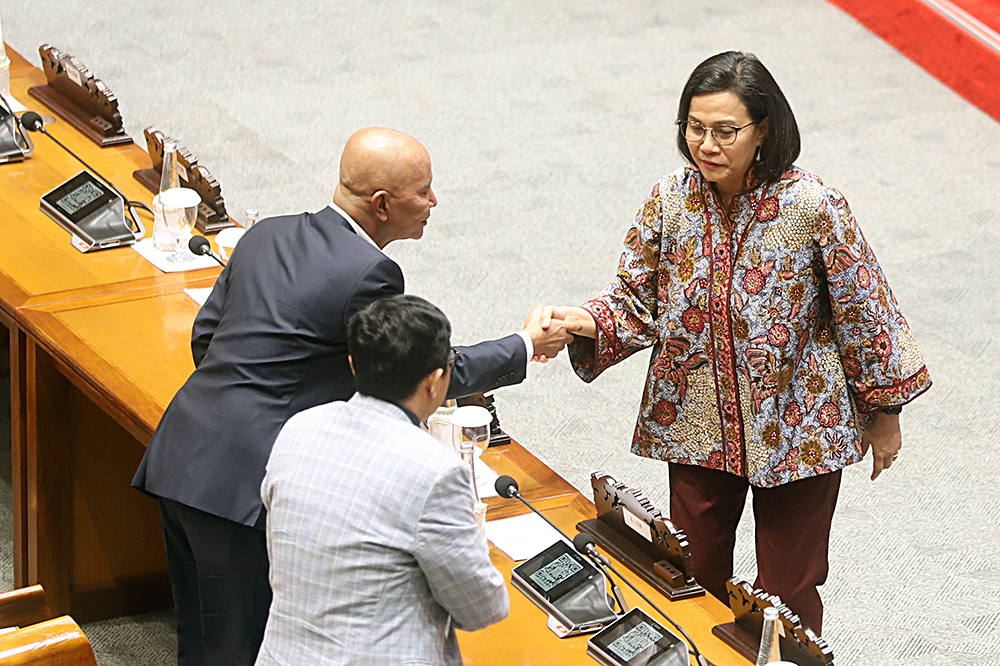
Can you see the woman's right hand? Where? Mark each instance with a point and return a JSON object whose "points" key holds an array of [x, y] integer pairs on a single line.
{"points": [[581, 322]]}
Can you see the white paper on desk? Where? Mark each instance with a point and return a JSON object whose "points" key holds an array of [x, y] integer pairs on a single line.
{"points": [[521, 537], [159, 259], [14, 105], [199, 295], [486, 480]]}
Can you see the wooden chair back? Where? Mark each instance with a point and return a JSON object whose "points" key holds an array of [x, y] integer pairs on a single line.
{"points": [[23, 607], [58, 642]]}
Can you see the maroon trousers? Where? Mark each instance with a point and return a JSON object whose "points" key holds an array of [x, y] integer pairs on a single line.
{"points": [[792, 533]]}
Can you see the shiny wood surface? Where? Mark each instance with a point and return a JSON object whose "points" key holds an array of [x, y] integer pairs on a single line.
{"points": [[129, 351], [37, 262], [24, 606], [58, 642]]}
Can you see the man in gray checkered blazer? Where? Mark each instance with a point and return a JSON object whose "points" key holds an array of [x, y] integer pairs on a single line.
{"points": [[376, 557]]}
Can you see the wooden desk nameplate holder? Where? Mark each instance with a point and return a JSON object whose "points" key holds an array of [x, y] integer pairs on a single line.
{"points": [[798, 645], [80, 98], [212, 216], [631, 529], [497, 436]]}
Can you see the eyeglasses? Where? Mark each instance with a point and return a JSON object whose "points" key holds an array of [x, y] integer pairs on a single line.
{"points": [[724, 135], [453, 358]]}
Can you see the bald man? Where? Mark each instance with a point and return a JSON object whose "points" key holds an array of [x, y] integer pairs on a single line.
{"points": [[270, 342]]}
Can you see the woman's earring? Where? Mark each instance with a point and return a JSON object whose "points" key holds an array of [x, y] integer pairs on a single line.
{"points": [[756, 155]]}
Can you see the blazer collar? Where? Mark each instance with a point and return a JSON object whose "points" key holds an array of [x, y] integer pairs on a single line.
{"points": [[329, 216]]}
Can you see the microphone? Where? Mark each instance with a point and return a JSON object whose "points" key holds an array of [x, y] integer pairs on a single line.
{"points": [[584, 544], [201, 246], [506, 486], [32, 122]]}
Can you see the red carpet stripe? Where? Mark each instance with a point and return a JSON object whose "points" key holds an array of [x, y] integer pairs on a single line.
{"points": [[987, 11], [956, 41], [967, 22]]}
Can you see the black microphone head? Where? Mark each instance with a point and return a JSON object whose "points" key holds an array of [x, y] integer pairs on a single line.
{"points": [[583, 543], [199, 245], [32, 121], [506, 486]]}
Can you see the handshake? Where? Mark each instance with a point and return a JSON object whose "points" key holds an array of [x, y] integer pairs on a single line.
{"points": [[552, 327]]}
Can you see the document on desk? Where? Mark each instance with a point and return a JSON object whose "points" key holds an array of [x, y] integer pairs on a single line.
{"points": [[521, 537], [199, 295], [486, 479], [159, 259]]}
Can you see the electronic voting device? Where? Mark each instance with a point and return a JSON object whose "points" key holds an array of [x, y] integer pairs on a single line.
{"points": [[91, 212], [636, 639], [569, 588]]}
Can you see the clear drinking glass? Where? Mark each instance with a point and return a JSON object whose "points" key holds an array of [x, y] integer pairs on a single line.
{"points": [[472, 424], [180, 207]]}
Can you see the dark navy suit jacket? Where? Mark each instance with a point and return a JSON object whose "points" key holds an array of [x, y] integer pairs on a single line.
{"points": [[270, 342]]}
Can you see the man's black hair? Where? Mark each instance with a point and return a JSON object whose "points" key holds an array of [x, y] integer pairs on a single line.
{"points": [[745, 75], [395, 343]]}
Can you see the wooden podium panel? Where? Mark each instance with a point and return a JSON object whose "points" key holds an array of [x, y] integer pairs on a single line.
{"points": [[129, 352], [99, 373], [524, 640]]}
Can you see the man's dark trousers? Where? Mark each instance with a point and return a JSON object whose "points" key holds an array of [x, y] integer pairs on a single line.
{"points": [[218, 573]]}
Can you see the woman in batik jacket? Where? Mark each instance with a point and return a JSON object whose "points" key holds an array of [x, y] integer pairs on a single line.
{"points": [[780, 355]]}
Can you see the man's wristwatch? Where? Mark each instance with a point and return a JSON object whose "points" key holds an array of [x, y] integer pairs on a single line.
{"points": [[892, 411]]}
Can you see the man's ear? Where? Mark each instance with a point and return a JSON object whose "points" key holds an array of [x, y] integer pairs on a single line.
{"points": [[432, 380], [350, 362], [380, 205], [437, 385]]}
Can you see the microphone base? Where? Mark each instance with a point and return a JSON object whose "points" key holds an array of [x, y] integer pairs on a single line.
{"points": [[639, 562], [95, 128]]}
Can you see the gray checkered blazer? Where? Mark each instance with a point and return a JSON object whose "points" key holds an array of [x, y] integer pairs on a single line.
{"points": [[372, 542]]}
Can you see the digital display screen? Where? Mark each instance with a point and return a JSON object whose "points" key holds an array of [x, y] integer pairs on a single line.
{"points": [[555, 572], [78, 198], [634, 641]]}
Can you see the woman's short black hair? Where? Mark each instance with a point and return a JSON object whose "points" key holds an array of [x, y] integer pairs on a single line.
{"points": [[395, 343], [745, 75]]}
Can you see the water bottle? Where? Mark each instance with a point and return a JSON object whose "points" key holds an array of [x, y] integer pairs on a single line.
{"points": [[164, 237], [769, 651]]}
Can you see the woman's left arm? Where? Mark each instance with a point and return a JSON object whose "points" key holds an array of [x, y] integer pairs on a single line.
{"points": [[881, 359]]}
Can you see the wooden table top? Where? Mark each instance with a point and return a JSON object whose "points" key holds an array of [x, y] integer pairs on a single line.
{"points": [[130, 351], [37, 262]]}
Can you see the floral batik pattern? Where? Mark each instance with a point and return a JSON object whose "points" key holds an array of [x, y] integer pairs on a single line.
{"points": [[774, 332]]}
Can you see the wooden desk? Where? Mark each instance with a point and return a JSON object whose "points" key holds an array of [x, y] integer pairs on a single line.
{"points": [[100, 373], [95, 542], [38, 264]]}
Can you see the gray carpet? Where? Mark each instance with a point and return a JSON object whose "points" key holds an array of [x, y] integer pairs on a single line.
{"points": [[548, 122]]}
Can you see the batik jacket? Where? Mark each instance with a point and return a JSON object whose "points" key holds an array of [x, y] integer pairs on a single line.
{"points": [[774, 332]]}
